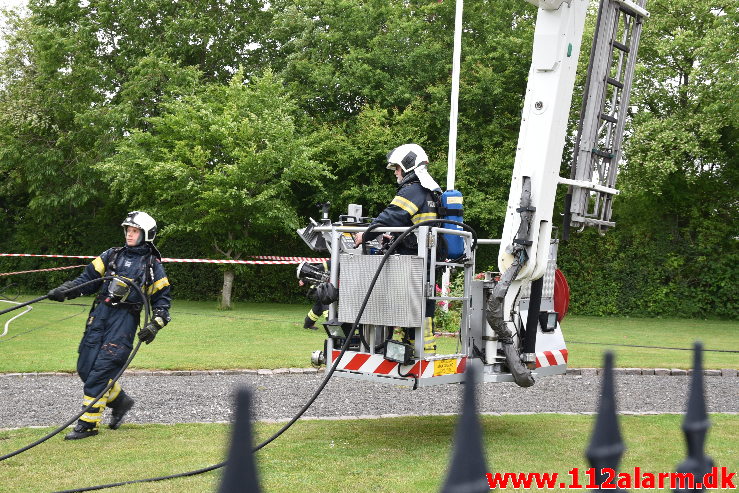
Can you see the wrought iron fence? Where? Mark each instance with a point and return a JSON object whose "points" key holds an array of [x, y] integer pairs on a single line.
{"points": [[468, 471]]}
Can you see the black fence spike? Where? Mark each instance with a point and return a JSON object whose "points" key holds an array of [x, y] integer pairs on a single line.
{"points": [[467, 471], [695, 427], [240, 475], [606, 446]]}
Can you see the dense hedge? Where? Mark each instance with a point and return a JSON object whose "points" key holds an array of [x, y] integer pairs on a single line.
{"points": [[640, 277], [632, 276], [191, 281]]}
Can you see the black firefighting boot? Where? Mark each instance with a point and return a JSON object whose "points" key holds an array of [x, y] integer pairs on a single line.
{"points": [[120, 407], [82, 429], [309, 323]]}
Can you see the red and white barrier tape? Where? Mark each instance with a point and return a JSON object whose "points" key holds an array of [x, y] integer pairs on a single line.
{"points": [[247, 262], [40, 270], [44, 255], [264, 259], [291, 259]]}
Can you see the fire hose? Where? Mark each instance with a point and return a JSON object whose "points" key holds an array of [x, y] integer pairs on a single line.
{"points": [[147, 311]]}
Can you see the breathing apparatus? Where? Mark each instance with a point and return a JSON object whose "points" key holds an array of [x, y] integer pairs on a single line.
{"points": [[451, 208]]}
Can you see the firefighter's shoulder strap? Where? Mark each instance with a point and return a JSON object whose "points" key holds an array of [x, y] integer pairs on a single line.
{"points": [[112, 259], [148, 277], [441, 211], [153, 255]]}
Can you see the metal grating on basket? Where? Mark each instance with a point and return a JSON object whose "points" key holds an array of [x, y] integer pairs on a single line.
{"points": [[398, 294]]}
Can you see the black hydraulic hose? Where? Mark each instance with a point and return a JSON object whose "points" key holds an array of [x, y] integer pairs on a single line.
{"points": [[409, 374], [21, 305], [320, 388], [58, 430], [76, 417], [654, 347], [532, 318]]}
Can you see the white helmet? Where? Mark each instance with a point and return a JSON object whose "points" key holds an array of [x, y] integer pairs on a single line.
{"points": [[144, 222], [407, 156]]}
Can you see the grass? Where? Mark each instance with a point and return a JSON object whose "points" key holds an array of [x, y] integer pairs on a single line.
{"points": [[271, 336], [400, 454], [383, 455], [675, 333]]}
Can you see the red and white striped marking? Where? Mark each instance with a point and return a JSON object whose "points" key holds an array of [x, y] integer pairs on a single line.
{"points": [[375, 364], [263, 259], [44, 255], [551, 358], [241, 262], [290, 259], [40, 270]]}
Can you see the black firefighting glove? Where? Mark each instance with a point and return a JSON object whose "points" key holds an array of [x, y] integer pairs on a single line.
{"points": [[149, 331], [66, 291]]}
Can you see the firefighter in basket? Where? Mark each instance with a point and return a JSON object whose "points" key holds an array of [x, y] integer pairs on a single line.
{"points": [[415, 201], [109, 334]]}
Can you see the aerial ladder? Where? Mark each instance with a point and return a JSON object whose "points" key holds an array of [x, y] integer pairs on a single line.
{"points": [[600, 131], [527, 248], [509, 318]]}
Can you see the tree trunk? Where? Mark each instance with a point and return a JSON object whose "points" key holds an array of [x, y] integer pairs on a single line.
{"points": [[228, 284]]}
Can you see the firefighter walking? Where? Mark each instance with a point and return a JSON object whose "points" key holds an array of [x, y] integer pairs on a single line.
{"points": [[111, 326]]}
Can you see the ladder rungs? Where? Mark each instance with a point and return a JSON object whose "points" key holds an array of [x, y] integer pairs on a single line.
{"points": [[589, 186], [621, 46], [595, 222], [604, 154], [632, 9], [608, 118], [628, 10], [615, 82]]}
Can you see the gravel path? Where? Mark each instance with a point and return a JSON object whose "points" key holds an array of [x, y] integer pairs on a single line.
{"points": [[46, 400]]}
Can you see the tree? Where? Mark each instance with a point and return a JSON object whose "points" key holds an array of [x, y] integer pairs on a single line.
{"points": [[220, 165], [680, 178], [48, 75], [378, 73]]}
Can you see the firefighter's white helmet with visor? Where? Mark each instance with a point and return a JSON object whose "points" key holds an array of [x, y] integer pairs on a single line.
{"points": [[407, 156], [412, 157], [144, 222]]}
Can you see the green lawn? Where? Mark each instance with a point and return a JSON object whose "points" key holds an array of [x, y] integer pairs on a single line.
{"points": [[675, 333], [382, 455], [271, 336]]}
